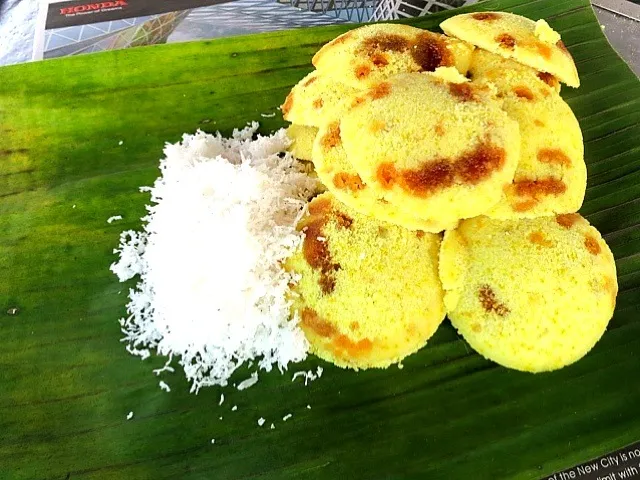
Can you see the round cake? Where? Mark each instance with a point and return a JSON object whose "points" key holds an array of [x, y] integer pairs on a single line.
{"points": [[439, 150], [369, 293], [512, 36], [367, 55], [530, 294], [551, 177]]}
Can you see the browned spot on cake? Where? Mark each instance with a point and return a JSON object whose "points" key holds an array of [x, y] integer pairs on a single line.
{"points": [[539, 188], [485, 16], [567, 220], [288, 104], [524, 206], [540, 239], [357, 101], [383, 232], [386, 42], [592, 244], [315, 249], [386, 174], [560, 44], [376, 126], [354, 326], [548, 79], [419, 233], [490, 303], [380, 90], [348, 181], [479, 163], [332, 139], [506, 41], [379, 60], [476, 327], [470, 168], [554, 156], [309, 318], [320, 206], [352, 349], [343, 220], [538, 123], [523, 92], [544, 50], [430, 178], [439, 129], [362, 71], [430, 52], [310, 81], [318, 103], [462, 91]]}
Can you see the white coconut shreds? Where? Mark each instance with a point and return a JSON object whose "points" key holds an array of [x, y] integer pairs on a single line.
{"points": [[211, 288]]}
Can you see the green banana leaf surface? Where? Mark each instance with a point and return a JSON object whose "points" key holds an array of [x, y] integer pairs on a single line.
{"points": [[67, 383]]}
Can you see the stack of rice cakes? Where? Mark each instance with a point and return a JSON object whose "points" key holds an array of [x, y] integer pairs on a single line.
{"points": [[417, 133]]}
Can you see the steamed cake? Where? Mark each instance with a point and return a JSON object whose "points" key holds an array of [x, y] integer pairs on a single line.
{"points": [[302, 138], [438, 150], [316, 99], [355, 303], [529, 294], [551, 176], [365, 56], [340, 178], [531, 43]]}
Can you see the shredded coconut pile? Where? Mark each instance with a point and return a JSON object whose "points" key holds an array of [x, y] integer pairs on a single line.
{"points": [[211, 288]]}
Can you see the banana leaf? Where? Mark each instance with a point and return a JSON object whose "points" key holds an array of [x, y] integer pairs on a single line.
{"points": [[67, 383]]}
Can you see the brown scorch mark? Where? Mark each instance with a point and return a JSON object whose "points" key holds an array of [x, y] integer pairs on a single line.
{"points": [[362, 71], [310, 81], [419, 233], [332, 138], [490, 303], [560, 44], [357, 101], [320, 206], [553, 156], [538, 188], [538, 123], [567, 220], [462, 91], [470, 168], [380, 90], [348, 181], [540, 239], [484, 16], [315, 249], [318, 103], [548, 79], [544, 50], [430, 52], [288, 103], [342, 344], [505, 40], [386, 42], [309, 318], [343, 220], [379, 60], [523, 92], [592, 244]]}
